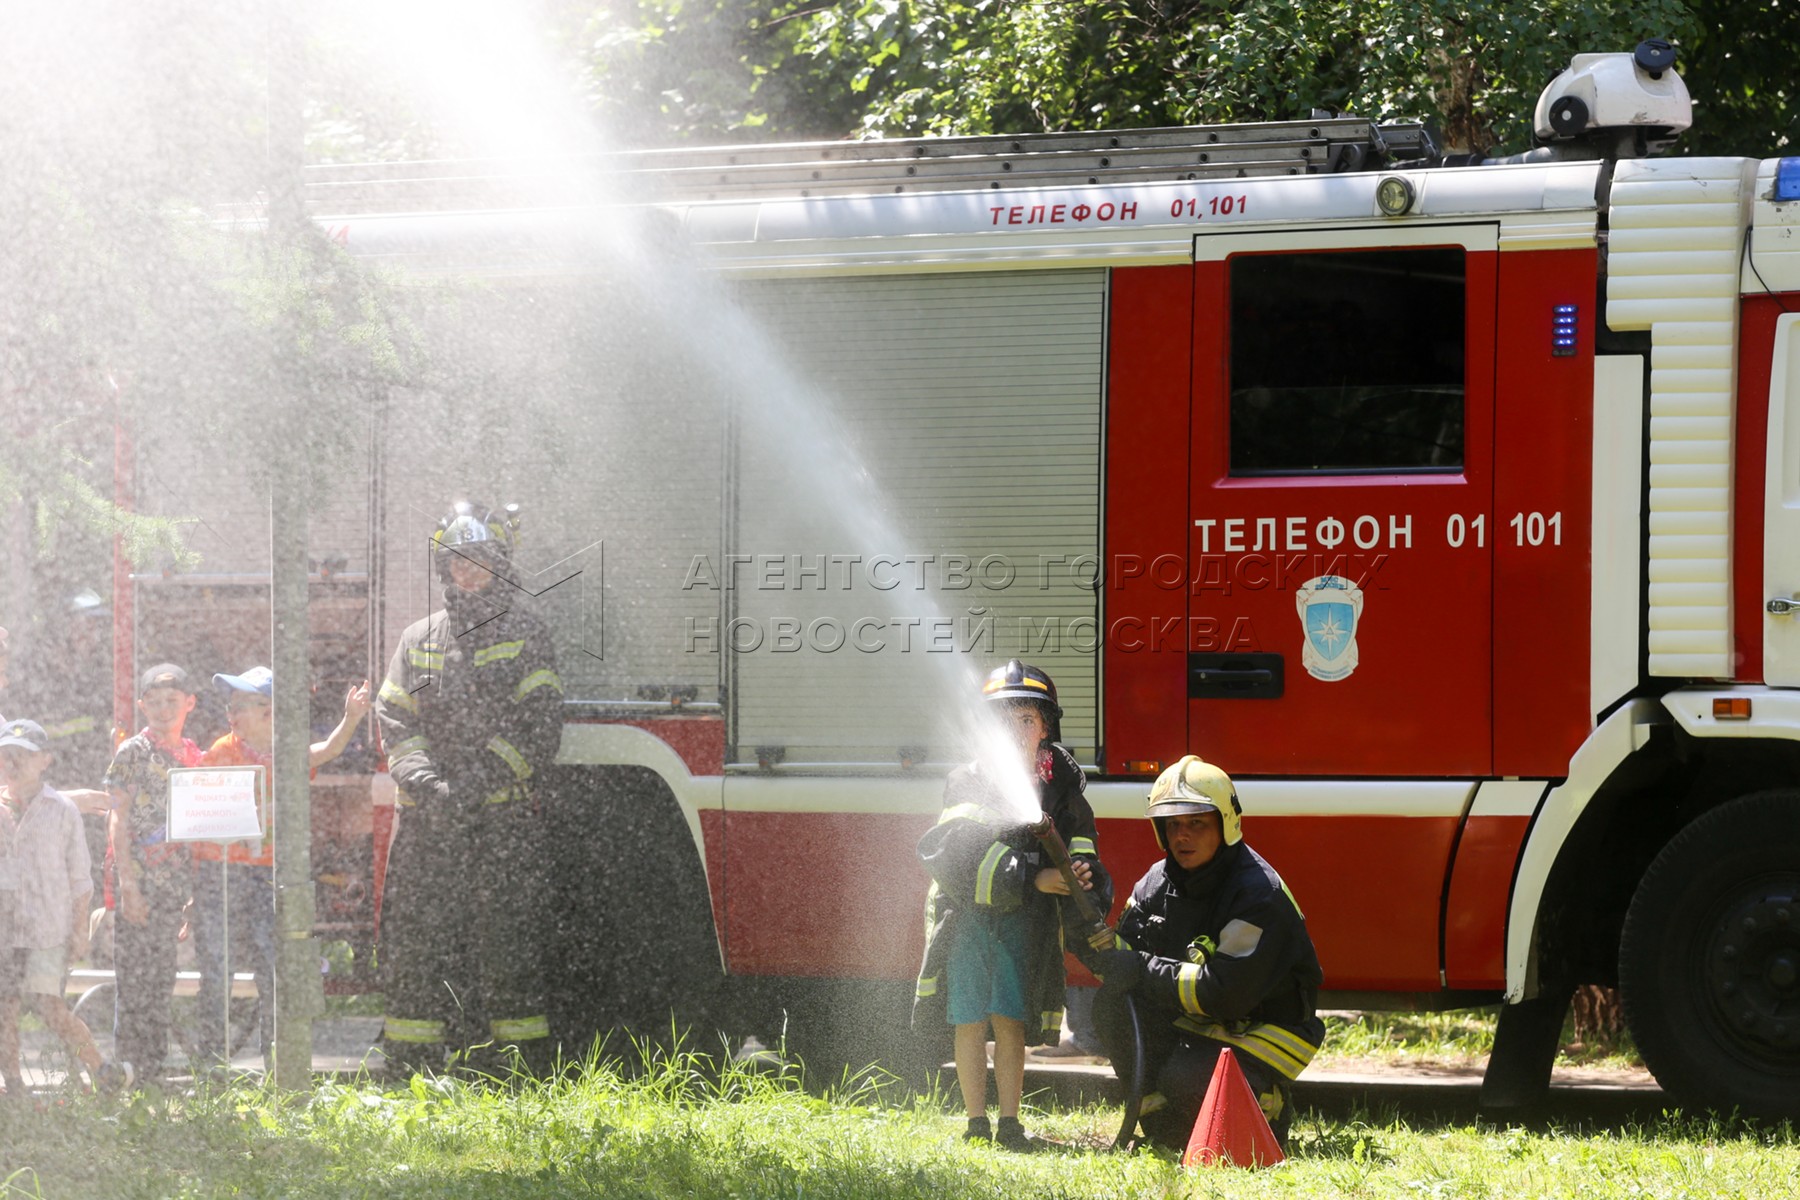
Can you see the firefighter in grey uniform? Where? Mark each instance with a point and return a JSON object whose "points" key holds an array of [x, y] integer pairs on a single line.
{"points": [[470, 714], [1217, 955]]}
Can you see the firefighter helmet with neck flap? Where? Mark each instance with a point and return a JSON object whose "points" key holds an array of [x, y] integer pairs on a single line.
{"points": [[1194, 785]]}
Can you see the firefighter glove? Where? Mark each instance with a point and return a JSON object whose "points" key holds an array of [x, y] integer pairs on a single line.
{"points": [[1119, 970]]}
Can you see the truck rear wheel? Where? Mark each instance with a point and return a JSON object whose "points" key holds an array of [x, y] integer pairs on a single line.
{"points": [[1709, 960], [633, 952]]}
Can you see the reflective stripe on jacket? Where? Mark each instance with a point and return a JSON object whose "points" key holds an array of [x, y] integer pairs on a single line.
{"points": [[472, 702], [1228, 957]]}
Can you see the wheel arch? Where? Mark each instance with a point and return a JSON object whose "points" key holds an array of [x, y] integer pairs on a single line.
{"points": [[638, 921], [1651, 769], [597, 745]]}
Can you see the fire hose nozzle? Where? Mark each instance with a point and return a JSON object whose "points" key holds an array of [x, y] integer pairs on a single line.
{"points": [[1099, 934]]}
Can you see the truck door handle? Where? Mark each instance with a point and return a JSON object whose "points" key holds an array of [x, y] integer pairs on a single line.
{"points": [[1781, 606], [1248, 676], [1227, 677]]}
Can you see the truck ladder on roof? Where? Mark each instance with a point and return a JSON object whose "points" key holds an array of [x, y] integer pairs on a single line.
{"points": [[882, 166]]}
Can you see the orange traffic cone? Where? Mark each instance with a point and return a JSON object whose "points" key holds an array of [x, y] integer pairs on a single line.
{"points": [[1231, 1128]]}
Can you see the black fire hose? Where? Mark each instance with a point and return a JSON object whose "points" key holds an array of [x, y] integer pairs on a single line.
{"points": [[1100, 936], [1134, 1091]]}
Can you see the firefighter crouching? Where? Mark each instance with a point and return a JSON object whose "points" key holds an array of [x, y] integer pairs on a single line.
{"points": [[470, 714], [1217, 955]]}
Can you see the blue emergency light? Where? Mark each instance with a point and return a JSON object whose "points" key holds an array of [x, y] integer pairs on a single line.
{"points": [[1787, 179], [1563, 326]]}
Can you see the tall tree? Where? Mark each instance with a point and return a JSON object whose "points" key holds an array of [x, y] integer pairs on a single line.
{"points": [[122, 295], [700, 70], [1739, 65]]}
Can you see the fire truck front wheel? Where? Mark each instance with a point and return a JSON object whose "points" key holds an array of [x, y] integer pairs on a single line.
{"points": [[632, 951], [1709, 960]]}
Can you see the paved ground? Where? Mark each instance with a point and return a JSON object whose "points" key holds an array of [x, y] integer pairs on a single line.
{"points": [[341, 1045]]}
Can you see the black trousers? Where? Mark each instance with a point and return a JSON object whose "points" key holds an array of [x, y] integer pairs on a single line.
{"points": [[144, 980], [462, 930], [1179, 1065]]}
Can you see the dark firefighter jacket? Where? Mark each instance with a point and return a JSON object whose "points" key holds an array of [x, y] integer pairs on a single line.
{"points": [[471, 707], [1227, 956], [979, 856]]}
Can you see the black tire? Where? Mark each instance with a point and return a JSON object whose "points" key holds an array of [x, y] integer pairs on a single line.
{"points": [[632, 954], [1709, 960]]}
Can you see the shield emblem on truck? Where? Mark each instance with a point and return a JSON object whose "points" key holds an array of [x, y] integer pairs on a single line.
{"points": [[1329, 606]]}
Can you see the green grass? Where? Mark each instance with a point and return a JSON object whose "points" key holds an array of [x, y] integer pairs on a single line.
{"points": [[1460, 1037], [680, 1126], [1455, 1036]]}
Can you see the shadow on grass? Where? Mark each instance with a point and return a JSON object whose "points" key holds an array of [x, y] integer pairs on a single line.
{"points": [[148, 1146], [1356, 1132]]}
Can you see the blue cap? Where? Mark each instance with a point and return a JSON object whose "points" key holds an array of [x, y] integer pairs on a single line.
{"points": [[27, 734], [260, 680]]}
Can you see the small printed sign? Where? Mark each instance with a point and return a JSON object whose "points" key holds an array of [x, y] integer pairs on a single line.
{"points": [[215, 804]]}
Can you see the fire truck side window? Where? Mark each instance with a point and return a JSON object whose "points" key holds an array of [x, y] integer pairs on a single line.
{"points": [[1347, 362]]}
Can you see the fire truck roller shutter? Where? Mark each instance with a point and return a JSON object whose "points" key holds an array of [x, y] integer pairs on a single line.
{"points": [[974, 402]]}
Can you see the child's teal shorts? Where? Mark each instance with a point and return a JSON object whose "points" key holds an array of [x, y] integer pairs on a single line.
{"points": [[989, 957]]}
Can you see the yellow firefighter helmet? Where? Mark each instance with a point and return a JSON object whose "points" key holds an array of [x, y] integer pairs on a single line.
{"points": [[1194, 785]]}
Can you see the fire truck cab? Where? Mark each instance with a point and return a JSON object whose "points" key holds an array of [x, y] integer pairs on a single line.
{"points": [[1455, 510]]}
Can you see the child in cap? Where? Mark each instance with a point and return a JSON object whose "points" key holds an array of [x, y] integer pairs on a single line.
{"points": [[247, 877], [49, 858], [154, 874]]}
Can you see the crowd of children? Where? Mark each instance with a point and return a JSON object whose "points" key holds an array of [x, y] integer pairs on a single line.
{"points": [[161, 886]]}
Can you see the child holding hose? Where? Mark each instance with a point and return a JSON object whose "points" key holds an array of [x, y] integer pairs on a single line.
{"points": [[995, 920]]}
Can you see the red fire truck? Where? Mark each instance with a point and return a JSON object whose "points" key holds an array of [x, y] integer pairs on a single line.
{"points": [[1453, 508]]}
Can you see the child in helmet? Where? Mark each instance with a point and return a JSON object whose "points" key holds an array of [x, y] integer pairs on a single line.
{"points": [[994, 950]]}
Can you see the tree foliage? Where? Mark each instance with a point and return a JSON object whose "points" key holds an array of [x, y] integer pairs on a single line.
{"points": [[1739, 65], [705, 70], [125, 300]]}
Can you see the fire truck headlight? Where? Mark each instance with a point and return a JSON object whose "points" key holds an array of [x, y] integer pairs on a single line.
{"points": [[1394, 195]]}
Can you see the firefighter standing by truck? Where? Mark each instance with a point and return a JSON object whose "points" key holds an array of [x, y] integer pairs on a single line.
{"points": [[1217, 954], [470, 714]]}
